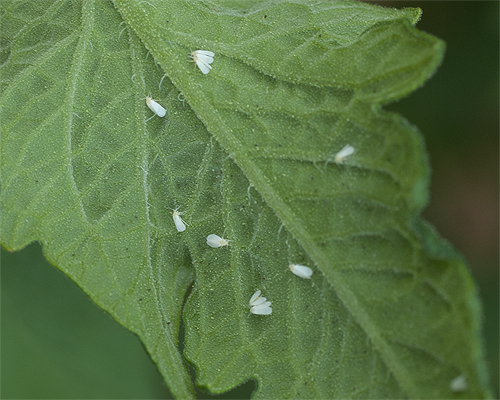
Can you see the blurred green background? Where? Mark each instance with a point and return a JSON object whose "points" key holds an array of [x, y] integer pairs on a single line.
{"points": [[55, 343], [457, 111]]}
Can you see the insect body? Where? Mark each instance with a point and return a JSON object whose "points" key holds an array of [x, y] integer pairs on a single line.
{"points": [[459, 384], [301, 271], [259, 305], [344, 153], [155, 107], [179, 223], [216, 241], [203, 59]]}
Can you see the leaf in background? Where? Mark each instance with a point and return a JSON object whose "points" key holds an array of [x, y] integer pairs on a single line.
{"points": [[388, 313]]}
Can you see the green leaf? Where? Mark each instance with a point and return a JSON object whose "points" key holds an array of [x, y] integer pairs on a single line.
{"points": [[247, 152], [75, 160]]}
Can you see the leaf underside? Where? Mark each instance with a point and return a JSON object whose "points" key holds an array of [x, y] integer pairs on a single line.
{"points": [[246, 152]]}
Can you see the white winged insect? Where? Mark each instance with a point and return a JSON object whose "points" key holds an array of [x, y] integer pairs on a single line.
{"points": [[155, 107], [259, 305], [203, 59], [301, 271], [344, 153], [179, 223], [459, 384], [216, 241]]}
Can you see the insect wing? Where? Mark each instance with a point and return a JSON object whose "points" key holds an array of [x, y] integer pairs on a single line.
{"points": [[155, 107], [214, 241], [205, 68], [301, 271], [179, 223]]}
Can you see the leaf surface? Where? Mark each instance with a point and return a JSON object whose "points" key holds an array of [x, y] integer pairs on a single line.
{"points": [[79, 167], [247, 152]]}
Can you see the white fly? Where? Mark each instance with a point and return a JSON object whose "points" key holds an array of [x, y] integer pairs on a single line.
{"points": [[259, 305], [301, 271], [459, 384], [155, 107], [203, 59], [344, 153], [216, 241], [179, 223]]}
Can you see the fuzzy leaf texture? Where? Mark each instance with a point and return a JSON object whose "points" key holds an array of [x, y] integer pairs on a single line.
{"points": [[246, 152]]}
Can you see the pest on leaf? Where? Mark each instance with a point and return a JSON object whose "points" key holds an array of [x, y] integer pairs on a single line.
{"points": [[344, 153], [301, 271], [203, 59], [155, 107], [179, 223], [259, 305], [459, 384], [216, 241]]}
